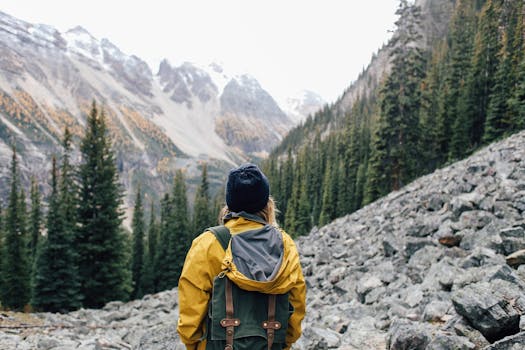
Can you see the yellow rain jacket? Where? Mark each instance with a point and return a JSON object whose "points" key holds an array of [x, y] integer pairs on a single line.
{"points": [[206, 259]]}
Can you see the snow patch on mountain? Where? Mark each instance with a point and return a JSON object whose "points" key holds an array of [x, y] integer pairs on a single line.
{"points": [[300, 105], [81, 42]]}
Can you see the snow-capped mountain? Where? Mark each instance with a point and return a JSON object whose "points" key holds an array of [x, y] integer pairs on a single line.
{"points": [[301, 105], [160, 121]]}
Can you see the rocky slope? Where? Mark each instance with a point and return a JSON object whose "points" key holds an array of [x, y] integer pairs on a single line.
{"points": [[439, 264], [158, 122]]}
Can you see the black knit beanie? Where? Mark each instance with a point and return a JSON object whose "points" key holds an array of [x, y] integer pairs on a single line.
{"points": [[247, 189]]}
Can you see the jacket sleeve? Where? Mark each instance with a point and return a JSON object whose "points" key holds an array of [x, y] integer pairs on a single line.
{"points": [[195, 287], [297, 298]]}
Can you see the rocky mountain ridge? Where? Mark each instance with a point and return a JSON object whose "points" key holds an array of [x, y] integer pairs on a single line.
{"points": [[439, 264], [175, 118]]}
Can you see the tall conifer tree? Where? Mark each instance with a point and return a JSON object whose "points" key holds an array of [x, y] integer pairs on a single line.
{"points": [[56, 287], [457, 67], [175, 235], [431, 91], [395, 151], [150, 282], [35, 219], [137, 264], [474, 97], [202, 217], [181, 221], [15, 269], [68, 190], [501, 116], [103, 270]]}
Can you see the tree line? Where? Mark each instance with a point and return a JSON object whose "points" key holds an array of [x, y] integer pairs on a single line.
{"points": [[436, 106], [77, 253]]}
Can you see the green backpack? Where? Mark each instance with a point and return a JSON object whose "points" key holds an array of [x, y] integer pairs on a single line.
{"points": [[244, 320]]}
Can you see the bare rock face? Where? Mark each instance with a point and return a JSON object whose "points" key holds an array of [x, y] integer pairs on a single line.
{"points": [[246, 112]]}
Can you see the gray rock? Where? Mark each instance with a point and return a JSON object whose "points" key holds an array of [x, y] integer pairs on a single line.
{"points": [[406, 335], [513, 342], [487, 309], [161, 338], [46, 343], [514, 232], [475, 219], [458, 205], [462, 328], [424, 226], [329, 337], [516, 259], [481, 257], [435, 202], [449, 341], [413, 244], [367, 284], [436, 310], [390, 247]]}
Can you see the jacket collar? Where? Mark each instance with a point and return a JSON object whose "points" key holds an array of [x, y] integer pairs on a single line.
{"points": [[245, 215]]}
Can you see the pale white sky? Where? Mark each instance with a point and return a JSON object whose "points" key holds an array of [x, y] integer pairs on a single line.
{"points": [[288, 45]]}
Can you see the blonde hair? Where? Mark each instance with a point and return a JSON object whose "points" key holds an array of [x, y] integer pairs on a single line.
{"points": [[268, 213]]}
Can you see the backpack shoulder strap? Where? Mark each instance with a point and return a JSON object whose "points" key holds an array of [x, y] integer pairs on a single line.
{"points": [[223, 235]]}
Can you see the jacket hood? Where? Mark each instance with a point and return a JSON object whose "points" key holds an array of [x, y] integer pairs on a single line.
{"points": [[259, 257]]}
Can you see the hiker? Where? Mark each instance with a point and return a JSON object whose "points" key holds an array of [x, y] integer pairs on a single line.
{"points": [[242, 286]]}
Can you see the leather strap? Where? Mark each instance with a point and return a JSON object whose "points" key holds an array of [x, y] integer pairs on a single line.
{"points": [[229, 322], [271, 325]]}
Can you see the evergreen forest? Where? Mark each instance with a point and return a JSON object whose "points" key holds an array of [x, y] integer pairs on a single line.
{"points": [[437, 105], [74, 252]]}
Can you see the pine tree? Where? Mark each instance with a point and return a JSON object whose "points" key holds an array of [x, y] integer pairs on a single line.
{"points": [[163, 252], [150, 283], [302, 216], [137, 264], [395, 151], [501, 116], [55, 283], [35, 219], [316, 167], [431, 91], [202, 217], [473, 105], [457, 66], [292, 202], [175, 236], [328, 209], [15, 269], [103, 270], [517, 101], [68, 190], [183, 234]]}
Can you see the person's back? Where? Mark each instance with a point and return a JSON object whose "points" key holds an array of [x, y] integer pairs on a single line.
{"points": [[248, 291]]}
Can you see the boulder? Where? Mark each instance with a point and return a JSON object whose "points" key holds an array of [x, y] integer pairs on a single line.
{"points": [[406, 335], [516, 259], [513, 342], [493, 311], [450, 341]]}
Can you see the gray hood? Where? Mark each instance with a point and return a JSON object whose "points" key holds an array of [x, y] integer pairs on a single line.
{"points": [[258, 254]]}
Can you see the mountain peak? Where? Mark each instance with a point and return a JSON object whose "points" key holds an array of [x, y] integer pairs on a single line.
{"points": [[81, 42], [79, 30]]}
